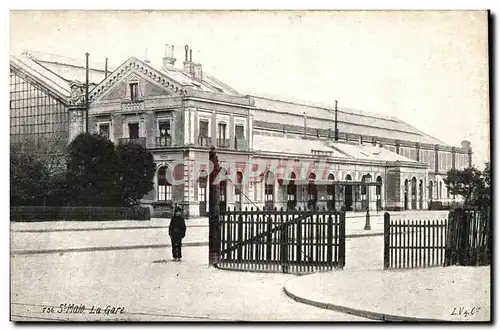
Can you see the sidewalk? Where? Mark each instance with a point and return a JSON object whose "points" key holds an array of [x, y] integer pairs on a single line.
{"points": [[60, 237], [434, 294], [357, 218]]}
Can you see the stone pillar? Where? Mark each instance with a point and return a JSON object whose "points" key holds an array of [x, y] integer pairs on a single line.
{"points": [[214, 128], [150, 128], [417, 147], [117, 124], [397, 146], [76, 122], [250, 132], [453, 156], [436, 158], [230, 133], [187, 118]]}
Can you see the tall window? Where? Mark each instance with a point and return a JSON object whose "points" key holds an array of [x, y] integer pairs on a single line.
{"points": [[238, 188], [164, 128], [239, 131], [203, 128], [133, 130], [104, 130], [202, 182], [221, 130], [269, 187], [134, 91], [164, 186]]}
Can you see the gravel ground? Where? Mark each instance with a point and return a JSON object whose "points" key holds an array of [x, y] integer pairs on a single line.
{"points": [[152, 288]]}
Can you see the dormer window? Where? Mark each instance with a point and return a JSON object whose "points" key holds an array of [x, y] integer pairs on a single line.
{"points": [[134, 91]]}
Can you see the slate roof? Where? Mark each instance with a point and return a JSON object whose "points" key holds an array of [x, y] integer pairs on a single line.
{"points": [[207, 84], [337, 149], [50, 79], [349, 120], [290, 145], [368, 152], [69, 69]]}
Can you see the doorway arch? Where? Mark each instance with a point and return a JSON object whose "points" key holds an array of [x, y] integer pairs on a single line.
{"points": [[420, 194], [291, 190], [269, 183], [378, 192], [330, 191], [413, 193], [406, 195], [312, 191], [348, 194], [202, 192]]}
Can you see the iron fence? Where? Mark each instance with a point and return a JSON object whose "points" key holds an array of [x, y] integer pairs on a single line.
{"points": [[414, 243], [282, 241]]}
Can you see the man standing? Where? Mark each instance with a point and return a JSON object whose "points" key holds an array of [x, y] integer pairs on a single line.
{"points": [[177, 231]]}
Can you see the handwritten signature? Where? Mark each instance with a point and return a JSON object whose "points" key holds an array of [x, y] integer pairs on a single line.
{"points": [[463, 311]]}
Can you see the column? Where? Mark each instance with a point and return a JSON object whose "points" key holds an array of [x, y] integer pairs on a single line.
{"points": [[453, 155], [417, 147], [230, 133], [150, 128], [436, 158]]}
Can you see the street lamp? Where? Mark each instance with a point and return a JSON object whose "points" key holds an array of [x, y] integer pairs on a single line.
{"points": [[367, 223]]}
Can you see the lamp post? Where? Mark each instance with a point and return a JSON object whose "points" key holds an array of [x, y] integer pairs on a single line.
{"points": [[367, 187]]}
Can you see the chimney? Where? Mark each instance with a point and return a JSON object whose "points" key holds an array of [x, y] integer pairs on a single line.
{"points": [[188, 65], [146, 57], [106, 68], [192, 68], [168, 59]]}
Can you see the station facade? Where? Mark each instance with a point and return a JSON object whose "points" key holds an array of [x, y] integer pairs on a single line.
{"points": [[274, 153]]}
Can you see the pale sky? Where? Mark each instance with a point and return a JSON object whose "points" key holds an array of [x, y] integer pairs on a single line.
{"points": [[428, 68]]}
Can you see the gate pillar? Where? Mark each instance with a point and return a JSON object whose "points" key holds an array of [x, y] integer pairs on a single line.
{"points": [[213, 209]]}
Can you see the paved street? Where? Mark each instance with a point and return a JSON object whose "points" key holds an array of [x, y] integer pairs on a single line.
{"points": [[42, 236], [148, 284], [152, 290]]}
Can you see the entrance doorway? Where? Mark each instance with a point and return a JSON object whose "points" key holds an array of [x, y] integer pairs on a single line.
{"points": [[406, 194], [348, 194]]}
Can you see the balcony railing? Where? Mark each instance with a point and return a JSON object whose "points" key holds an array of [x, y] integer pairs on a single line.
{"points": [[163, 141], [240, 144], [141, 141], [204, 141], [222, 143]]}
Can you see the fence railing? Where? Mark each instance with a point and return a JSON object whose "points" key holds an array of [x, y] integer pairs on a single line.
{"points": [[223, 143], [163, 141], [414, 243], [44, 213], [469, 237], [141, 141], [282, 241], [204, 141]]}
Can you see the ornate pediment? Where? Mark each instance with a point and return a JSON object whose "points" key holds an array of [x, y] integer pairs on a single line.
{"points": [[77, 94], [133, 69]]}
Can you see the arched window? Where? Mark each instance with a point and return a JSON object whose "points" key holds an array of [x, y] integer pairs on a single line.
{"points": [[312, 189], [440, 191], [431, 190], [164, 186], [269, 180], [202, 185], [378, 190], [238, 186], [292, 188]]}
